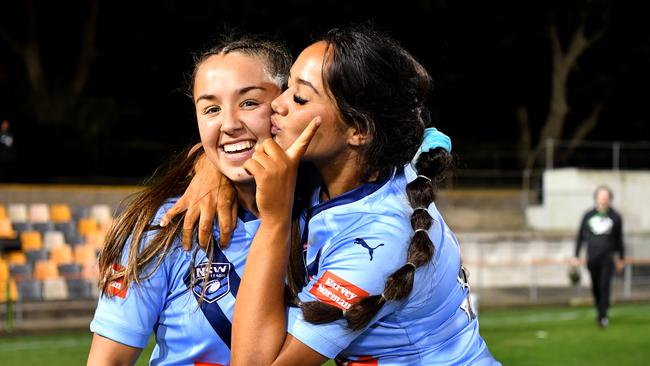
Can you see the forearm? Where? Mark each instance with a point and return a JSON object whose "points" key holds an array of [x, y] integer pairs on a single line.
{"points": [[259, 321]]}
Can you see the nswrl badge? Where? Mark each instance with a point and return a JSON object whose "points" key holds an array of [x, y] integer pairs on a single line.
{"points": [[218, 281]]}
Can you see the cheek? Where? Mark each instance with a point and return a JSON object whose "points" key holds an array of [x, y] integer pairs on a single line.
{"points": [[259, 121], [209, 132]]}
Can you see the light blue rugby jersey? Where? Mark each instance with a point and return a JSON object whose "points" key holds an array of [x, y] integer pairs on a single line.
{"points": [[355, 241], [185, 332]]}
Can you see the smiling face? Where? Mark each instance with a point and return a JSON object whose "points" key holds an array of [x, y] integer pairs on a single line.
{"points": [[232, 97], [306, 98]]}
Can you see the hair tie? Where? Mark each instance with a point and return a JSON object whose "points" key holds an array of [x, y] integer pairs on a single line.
{"points": [[425, 177], [421, 208], [432, 139], [411, 263], [425, 230]]}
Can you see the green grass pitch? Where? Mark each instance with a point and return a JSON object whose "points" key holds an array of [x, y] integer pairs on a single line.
{"points": [[526, 337]]}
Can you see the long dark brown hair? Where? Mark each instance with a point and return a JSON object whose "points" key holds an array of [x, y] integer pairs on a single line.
{"points": [[380, 89], [136, 218]]}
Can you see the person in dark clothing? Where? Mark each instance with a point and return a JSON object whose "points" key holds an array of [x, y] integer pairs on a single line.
{"points": [[602, 230], [7, 151]]}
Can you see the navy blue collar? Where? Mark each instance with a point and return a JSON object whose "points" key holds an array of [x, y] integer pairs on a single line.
{"points": [[245, 215], [354, 195]]}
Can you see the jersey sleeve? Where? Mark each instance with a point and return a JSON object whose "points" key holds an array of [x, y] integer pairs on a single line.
{"points": [[129, 315], [350, 269]]}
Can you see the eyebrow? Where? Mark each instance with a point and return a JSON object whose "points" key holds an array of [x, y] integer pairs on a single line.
{"points": [[307, 83], [241, 91]]}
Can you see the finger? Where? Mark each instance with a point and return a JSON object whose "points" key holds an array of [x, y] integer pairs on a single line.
{"points": [[191, 216], [205, 221], [226, 200], [179, 206], [253, 167], [263, 159], [272, 149], [298, 148]]}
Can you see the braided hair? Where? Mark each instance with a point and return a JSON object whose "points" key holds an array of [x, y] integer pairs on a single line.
{"points": [[380, 89]]}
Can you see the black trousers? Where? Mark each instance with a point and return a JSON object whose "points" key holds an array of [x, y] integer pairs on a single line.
{"points": [[601, 271]]}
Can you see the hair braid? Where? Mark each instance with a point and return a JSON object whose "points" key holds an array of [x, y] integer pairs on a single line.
{"points": [[380, 89]]}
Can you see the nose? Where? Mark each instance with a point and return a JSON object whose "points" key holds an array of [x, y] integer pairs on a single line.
{"points": [[231, 122], [278, 104]]}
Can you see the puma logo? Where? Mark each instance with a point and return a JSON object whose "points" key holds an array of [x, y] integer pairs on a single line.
{"points": [[363, 243]]}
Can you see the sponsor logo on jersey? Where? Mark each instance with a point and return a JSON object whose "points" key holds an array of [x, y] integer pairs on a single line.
{"points": [[218, 281], [600, 225], [370, 249], [332, 289], [117, 287]]}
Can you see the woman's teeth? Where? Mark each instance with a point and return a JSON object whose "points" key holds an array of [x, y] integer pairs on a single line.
{"points": [[238, 147]]}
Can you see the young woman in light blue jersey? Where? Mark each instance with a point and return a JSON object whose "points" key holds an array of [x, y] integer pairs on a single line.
{"points": [[376, 275], [154, 286]]}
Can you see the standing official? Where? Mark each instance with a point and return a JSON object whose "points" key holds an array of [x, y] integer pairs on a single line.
{"points": [[602, 230]]}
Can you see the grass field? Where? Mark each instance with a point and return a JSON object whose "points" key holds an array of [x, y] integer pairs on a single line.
{"points": [[526, 337]]}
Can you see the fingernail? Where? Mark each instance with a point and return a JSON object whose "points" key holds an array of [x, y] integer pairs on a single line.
{"points": [[163, 222]]}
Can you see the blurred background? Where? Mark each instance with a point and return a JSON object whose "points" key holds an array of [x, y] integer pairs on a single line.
{"points": [[544, 101]]}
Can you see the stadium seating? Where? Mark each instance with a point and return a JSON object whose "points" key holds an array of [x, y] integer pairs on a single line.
{"points": [[8, 286], [101, 213], [58, 246], [30, 240], [61, 254], [39, 213], [6, 230], [18, 212], [87, 226], [53, 238], [60, 213], [16, 257]]}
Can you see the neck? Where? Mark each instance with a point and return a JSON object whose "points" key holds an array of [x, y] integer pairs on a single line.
{"points": [[340, 175], [246, 196]]}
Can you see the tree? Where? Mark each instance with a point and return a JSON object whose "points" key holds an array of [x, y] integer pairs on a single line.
{"points": [[564, 59]]}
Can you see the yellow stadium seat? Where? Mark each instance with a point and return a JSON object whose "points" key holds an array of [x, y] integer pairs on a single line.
{"points": [[90, 272], [87, 226], [46, 270], [6, 230], [61, 254], [3, 212], [85, 254], [8, 286], [60, 212], [17, 257], [30, 240], [4, 270]]}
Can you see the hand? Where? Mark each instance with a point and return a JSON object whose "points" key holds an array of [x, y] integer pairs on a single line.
{"points": [[208, 192], [620, 265], [575, 261], [275, 173]]}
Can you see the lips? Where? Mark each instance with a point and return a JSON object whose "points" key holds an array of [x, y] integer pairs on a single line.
{"points": [[274, 126]]}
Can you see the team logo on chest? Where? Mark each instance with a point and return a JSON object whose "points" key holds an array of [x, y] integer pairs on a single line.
{"points": [[218, 281]]}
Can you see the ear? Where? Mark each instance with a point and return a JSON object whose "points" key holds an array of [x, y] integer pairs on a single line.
{"points": [[356, 138]]}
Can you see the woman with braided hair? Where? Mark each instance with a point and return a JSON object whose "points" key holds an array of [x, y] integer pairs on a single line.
{"points": [[375, 274]]}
